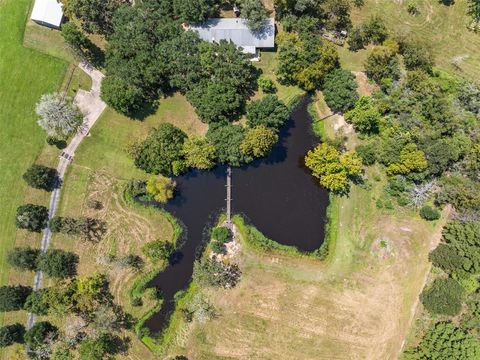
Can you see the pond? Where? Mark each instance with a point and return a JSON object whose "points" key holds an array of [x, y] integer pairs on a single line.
{"points": [[277, 195]]}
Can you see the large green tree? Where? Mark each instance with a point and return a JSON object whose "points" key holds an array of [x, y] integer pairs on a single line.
{"points": [[23, 258], [32, 217], [161, 150], [258, 141], [194, 11], [13, 297], [58, 263], [38, 334], [255, 13], [10, 334], [365, 116], [41, 177], [268, 111], [340, 90], [227, 139], [199, 153], [382, 64], [443, 297], [96, 16], [332, 168]]}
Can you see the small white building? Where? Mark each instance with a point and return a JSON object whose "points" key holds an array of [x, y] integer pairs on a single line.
{"points": [[236, 30], [47, 13]]}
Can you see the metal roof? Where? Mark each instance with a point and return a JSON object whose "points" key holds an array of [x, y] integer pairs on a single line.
{"points": [[47, 12], [237, 31]]}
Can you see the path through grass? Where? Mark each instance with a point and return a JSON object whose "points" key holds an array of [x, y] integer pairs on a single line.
{"points": [[24, 76]]}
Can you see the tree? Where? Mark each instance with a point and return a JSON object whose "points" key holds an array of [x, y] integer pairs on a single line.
{"points": [[268, 111], [23, 259], [365, 116], [161, 188], [31, 217], [340, 90], [216, 101], [468, 94], [472, 163], [210, 272], [37, 335], [461, 192], [199, 153], [58, 263], [255, 13], [36, 302], [267, 85], [74, 37], [333, 169], [356, 39], [194, 11], [122, 95], [258, 141], [13, 298], [41, 177], [444, 297], [375, 30], [96, 16], [416, 56], [227, 139], [367, 152], [158, 250], [10, 334], [445, 341], [446, 258], [98, 348], [382, 63], [411, 160], [336, 14], [312, 76], [162, 148], [58, 116]]}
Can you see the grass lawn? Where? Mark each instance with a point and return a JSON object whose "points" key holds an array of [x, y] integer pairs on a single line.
{"points": [[443, 27], [24, 76]]}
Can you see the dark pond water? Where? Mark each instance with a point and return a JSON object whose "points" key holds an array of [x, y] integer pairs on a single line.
{"points": [[276, 194]]}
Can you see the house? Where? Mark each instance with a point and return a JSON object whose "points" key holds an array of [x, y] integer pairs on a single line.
{"points": [[48, 13], [236, 30]]}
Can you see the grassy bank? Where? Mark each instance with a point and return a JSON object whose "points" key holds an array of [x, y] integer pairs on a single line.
{"points": [[24, 76]]}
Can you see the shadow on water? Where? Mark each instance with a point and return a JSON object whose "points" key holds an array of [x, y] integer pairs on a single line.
{"points": [[277, 194]]}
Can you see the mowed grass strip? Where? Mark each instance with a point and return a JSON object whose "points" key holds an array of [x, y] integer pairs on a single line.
{"points": [[24, 76], [443, 27]]}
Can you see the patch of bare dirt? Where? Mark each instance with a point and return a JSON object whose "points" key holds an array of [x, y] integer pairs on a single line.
{"points": [[365, 88]]}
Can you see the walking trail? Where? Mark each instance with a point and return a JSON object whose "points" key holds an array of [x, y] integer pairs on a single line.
{"points": [[91, 107]]}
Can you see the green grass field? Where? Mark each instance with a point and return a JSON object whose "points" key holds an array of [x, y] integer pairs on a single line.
{"points": [[24, 76], [443, 27]]}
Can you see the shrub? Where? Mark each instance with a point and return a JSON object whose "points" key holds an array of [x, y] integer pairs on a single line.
{"points": [[218, 247], [443, 297], [221, 234], [39, 333], [428, 213], [340, 90], [41, 177], [381, 64], [11, 334], [365, 116], [158, 250], [267, 85], [13, 297], [446, 258], [32, 217], [209, 272], [58, 263], [23, 258]]}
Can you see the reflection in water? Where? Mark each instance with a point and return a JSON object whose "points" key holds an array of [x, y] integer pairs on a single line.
{"points": [[277, 194]]}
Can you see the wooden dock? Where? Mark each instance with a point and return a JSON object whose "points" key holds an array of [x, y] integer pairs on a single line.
{"points": [[229, 197]]}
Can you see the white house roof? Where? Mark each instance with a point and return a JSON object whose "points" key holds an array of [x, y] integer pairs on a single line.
{"points": [[48, 12], [237, 31]]}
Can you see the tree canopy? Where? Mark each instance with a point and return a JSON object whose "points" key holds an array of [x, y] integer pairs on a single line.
{"points": [[258, 141], [228, 139], [58, 116], [23, 259], [13, 298], [340, 90], [31, 217], [255, 13], [161, 188], [10, 334], [268, 111], [199, 153], [332, 168], [41, 177], [382, 64], [159, 152], [58, 263]]}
